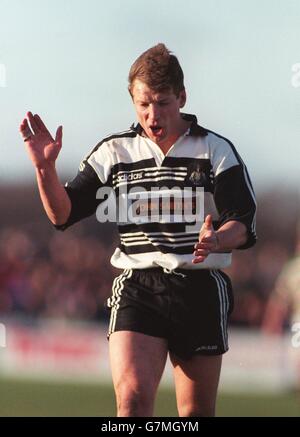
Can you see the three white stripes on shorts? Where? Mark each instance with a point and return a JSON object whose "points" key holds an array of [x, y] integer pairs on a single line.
{"points": [[114, 301], [224, 304]]}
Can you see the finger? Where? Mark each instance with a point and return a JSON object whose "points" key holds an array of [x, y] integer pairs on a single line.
{"points": [[210, 245], [22, 125], [202, 245], [33, 123], [58, 136], [40, 123], [25, 130], [201, 252], [199, 259]]}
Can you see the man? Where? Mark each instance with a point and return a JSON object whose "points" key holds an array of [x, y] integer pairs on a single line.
{"points": [[171, 297], [283, 307]]}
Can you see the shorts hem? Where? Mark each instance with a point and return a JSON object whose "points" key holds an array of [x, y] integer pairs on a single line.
{"points": [[140, 331], [188, 355]]}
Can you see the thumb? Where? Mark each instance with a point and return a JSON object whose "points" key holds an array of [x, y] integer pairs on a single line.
{"points": [[208, 222], [207, 226], [58, 135]]}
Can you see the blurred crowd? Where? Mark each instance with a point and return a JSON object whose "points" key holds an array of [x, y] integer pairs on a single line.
{"points": [[68, 275], [254, 274]]}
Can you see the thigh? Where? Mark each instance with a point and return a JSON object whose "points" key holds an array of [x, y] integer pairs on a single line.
{"points": [[137, 362], [200, 315], [196, 381]]}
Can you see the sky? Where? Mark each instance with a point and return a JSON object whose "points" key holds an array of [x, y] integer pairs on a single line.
{"points": [[69, 61]]}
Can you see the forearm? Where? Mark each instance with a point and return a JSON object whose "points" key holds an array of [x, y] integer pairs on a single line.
{"points": [[231, 235], [55, 200]]}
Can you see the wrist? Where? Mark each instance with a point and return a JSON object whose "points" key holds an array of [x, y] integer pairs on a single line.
{"points": [[45, 167], [217, 241]]}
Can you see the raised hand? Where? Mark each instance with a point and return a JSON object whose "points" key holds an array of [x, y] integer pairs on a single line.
{"points": [[208, 241], [43, 149]]}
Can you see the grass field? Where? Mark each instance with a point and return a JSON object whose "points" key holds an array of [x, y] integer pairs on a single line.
{"points": [[27, 398]]}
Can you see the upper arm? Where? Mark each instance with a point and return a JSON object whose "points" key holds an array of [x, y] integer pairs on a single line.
{"points": [[233, 191], [82, 190]]}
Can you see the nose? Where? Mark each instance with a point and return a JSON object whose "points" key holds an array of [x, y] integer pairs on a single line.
{"points": [[154, 112]]}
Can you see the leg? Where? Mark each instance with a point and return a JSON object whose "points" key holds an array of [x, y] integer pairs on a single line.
{"points": [[137, 363], [196, 382]]}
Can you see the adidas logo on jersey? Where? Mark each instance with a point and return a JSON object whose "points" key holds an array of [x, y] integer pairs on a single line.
{"points": [[130, 177]]}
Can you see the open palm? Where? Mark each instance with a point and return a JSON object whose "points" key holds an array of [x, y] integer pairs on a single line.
{"points": [[43, 149]]}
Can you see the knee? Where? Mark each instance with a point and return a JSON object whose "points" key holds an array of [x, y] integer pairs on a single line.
{"points": [[134, 401]]}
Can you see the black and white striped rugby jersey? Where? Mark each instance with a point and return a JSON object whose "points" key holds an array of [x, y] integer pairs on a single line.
{"points": [[200, 158]]}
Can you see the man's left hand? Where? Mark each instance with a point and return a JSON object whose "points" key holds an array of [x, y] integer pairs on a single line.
{"points": [[208, 241]]}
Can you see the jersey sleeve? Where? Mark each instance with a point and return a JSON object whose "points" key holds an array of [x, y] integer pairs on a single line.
{"points": [[233, 191], [93, 174]]}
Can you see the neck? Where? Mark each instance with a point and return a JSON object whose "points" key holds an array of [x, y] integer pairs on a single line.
{"points": [[168, 143]]}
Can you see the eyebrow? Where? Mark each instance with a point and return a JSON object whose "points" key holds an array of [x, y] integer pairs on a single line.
{"points": [[163, 99]]}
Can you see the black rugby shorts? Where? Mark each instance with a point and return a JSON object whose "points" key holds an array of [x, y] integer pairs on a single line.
{"points": [[189, 308]]}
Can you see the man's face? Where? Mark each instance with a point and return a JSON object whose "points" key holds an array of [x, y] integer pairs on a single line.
{"points": [[158, 112]]}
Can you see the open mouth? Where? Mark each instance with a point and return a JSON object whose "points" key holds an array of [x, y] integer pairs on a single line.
{"points": [[156, 130]]}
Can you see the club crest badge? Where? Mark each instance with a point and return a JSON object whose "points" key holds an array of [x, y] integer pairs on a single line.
{"points": [[197, 177]]}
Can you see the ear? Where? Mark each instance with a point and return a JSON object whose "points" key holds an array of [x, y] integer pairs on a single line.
{"points": [[182, 98]]}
